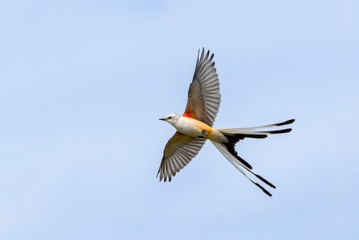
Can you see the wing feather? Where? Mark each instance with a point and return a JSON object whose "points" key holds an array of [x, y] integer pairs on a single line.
{"points": [[179, 151], [203, 95]]}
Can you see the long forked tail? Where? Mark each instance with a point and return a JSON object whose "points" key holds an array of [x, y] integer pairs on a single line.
{"points": [[233, 135]]}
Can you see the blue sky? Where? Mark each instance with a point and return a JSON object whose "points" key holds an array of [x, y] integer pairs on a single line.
{"points": [[83, 83]]}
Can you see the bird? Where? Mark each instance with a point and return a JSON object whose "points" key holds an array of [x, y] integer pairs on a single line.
{"points": [[195, 126]]}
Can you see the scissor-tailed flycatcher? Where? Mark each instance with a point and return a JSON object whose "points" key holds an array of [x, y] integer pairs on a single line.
{"points": [[194, 127]]}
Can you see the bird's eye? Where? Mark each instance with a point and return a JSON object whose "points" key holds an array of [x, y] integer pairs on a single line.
{"points": [[169, 118]]}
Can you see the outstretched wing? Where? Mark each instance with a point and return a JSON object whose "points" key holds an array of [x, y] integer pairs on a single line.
{"points": [[178, 152], [203, 94]]}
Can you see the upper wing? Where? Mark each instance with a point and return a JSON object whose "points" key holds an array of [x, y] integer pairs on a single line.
{"points": [[203, 94], [178, 152]]}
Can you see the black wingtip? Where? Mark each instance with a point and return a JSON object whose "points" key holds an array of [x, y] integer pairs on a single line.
{"points": [[263, 189], [287, 130], [265, 180], [250, 135], [286, 122], [245, 163]]}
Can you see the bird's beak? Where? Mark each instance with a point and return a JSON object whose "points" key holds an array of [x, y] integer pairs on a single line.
{"points": [[163, 119]]}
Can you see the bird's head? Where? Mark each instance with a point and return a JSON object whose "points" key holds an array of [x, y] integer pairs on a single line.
{"points": [[171, 118]]}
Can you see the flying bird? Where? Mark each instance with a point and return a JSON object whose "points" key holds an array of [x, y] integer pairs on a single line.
{"points": [[194, 127]]}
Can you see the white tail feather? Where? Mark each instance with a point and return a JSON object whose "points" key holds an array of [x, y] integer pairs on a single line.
{"points": [[250, 130], [230, 157], [238, 165]]}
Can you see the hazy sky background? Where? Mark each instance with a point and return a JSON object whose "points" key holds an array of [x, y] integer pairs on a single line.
{"points": [[83, 83]]}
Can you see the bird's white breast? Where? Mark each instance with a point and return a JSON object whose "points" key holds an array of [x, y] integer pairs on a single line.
{"points": [[188, 126]]}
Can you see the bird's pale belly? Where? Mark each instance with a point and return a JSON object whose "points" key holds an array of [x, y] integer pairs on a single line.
{"points": [[192, 127]]}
